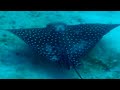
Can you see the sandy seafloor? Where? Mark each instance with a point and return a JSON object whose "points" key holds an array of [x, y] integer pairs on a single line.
{"points": [[103, 62]]}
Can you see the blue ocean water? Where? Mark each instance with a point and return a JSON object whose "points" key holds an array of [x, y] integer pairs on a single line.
{"points": [[16, 58]]}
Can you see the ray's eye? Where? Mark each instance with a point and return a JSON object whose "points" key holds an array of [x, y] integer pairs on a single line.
{"points": [[4, 35], [17, 53]]}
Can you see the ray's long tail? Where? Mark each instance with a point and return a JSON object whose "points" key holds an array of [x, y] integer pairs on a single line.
{"points": [[77, 72]]}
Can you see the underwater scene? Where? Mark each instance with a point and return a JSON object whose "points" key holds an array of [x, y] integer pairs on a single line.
{"points": [[59, 45]]}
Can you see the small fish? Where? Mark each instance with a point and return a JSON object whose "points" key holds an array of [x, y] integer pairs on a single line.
{"points": [[63, 43]]}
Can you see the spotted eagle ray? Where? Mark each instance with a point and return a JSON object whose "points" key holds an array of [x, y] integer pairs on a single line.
{"points": [[63, 43]]}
